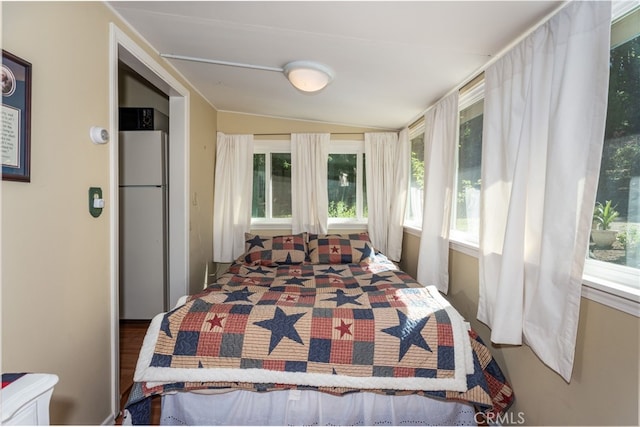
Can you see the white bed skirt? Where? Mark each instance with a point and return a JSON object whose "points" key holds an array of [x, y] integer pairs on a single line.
{"points": [[307, 407]]}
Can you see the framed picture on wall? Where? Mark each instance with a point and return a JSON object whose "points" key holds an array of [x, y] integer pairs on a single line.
{"points": [[16, 118]]}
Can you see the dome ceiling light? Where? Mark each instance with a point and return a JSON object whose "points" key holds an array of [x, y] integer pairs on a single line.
{"points": [[306, 76]]}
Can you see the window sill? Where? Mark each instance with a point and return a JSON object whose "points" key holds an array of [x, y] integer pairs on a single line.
{"points": [[264, 225], [611, 294], [413, 230], [614, 295], [348, 225], [286, 225]]}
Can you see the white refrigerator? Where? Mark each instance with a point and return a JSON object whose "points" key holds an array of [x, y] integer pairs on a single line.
{"points": [[143, 223]]}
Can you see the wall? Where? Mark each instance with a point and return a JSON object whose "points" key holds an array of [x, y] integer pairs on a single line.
{"points": [[604, 385], [56, 279], [202, 166], [135, 91], [230, 123]]}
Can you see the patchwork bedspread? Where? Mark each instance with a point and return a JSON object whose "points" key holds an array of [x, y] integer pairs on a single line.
{"points": [[336, 328]]}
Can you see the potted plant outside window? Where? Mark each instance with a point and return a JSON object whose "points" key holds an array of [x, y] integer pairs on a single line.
{"points": [[603, 216]]}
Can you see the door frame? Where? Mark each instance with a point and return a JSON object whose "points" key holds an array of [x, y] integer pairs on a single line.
{"points": [[123, 48]]}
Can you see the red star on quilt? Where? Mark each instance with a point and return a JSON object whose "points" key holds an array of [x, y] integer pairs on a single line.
{"points": [[344, 328], [290, 298], [335, 250], [216, 321]]}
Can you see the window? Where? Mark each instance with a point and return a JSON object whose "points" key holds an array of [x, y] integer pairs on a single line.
{"points": [[466, 209], [413, 216], [271, 182], [259, 201], [346, 182], [614, 251], [612, 272]]}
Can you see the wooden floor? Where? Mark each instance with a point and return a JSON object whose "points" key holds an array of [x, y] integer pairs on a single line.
{"points": [[131, 336]]}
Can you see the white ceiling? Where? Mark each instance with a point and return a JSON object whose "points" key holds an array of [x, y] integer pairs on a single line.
{"points": [[391, 59]]}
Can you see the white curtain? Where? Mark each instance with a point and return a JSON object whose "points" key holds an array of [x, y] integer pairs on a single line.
{"points": [[309, 198], [387, 173], [233, 195], [440, 141], [544, 117]]}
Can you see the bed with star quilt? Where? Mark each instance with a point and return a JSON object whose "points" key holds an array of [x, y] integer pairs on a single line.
{"points": [[317, 312]]}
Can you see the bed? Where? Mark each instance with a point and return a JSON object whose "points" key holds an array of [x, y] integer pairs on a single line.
{"points": [[304, 322]]}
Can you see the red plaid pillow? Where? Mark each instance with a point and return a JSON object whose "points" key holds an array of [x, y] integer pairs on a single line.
{"points": [[274, 250], [340, 248]]}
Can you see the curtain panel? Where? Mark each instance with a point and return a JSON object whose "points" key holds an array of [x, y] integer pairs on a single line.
{"points": [[387, 172], [233, 195], [544, 117], [440, 141], [309, 197]]}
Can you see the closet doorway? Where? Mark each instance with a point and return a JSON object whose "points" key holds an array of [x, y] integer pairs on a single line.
{"points": [[127, 54]]}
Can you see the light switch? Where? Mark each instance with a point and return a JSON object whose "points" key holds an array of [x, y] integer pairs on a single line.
{"points": [[96, 202]]}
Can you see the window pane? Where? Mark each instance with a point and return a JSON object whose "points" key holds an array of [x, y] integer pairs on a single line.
{"points": [[341, 185], [617, 210], [258, 202], [416, 184], [469, 158], [281, 185]]}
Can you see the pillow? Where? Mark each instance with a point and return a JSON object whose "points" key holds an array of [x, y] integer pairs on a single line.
{"points": [[340, 248], [274, 250]]}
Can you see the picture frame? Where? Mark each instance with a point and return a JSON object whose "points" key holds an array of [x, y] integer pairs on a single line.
{"points": [[16, 118]]}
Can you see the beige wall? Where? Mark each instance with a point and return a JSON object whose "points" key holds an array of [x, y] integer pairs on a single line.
{"points": [[230, 123], [604, 385], [135, 91], [56, 257], [202, 166]]}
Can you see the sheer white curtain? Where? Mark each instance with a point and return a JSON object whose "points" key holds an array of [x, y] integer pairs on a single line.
{"points": [[387, 169], [309, 198], [544, 116], [233, 195], [440, 140]]}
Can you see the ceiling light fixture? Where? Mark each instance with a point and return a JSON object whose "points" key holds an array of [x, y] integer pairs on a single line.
{"points": [[306, 76]]}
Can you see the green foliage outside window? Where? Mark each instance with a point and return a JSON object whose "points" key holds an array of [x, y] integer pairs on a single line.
{"points": [[619, 182]]}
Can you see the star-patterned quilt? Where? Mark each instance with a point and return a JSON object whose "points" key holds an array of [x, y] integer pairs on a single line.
{"points": [[330, 327]]}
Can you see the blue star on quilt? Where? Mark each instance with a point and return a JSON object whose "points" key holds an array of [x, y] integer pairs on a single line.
{"points": [[164, 326], [341, 298], [379, 278], [282, 325], [239, 295], [367, 252], [295, 281], [331, 270], [409, 331], [255, 242], [258, 270]]}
